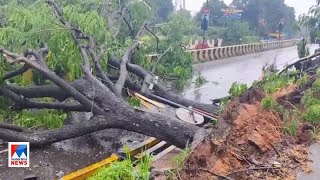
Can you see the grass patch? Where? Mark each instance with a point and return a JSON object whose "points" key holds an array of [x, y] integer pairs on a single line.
{"points": [[316, 133], [272, 82], [268, 103], [134, 101], [200, 81], [303, 80], [308, 98], [48, 119], [312, 114], [180, 159], [125, 170], [238, 89], [291, 127], [316, 86]]}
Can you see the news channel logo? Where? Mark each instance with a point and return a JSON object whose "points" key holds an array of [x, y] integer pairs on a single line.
{"points": [[18, 154]]}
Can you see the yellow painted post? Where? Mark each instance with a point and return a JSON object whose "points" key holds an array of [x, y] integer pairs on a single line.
{"points": [[88, 171]]}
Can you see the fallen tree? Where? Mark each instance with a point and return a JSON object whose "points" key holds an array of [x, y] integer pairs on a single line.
{"points": [[97, 93]]}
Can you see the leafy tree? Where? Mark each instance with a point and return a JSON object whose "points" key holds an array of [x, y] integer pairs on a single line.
{"points": [[216, 15], [75, 55], [164, 9], [311, 22], [273, 11]]}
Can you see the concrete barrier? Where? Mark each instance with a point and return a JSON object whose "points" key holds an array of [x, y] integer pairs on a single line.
{"points": [[211, 42], [213, 54]]}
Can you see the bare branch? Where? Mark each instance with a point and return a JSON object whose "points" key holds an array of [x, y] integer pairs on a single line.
{"points": [[161, 91], [40, 91], [12, 127], [17, 72], [126, 60], [21, 103], [58, 81], [123, 67], [59, 106]]}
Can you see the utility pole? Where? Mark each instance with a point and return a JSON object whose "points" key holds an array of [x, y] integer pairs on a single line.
{"points": [[205, 22], [280, 28]]}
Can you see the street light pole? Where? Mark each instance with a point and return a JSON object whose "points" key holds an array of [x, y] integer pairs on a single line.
{"points": [[204, 31]]}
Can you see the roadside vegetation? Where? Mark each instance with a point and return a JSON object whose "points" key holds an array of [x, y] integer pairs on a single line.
{"points": [[125, 169]]}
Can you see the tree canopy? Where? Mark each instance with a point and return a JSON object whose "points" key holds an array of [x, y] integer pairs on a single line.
{"points": [[61, 56], [271, 12]]}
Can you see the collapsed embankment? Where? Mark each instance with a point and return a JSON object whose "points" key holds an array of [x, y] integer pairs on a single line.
{"points": [[261, 134]]}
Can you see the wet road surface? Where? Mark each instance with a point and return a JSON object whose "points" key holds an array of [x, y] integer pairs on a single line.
{"points": [[245, 69], [315, 156]]}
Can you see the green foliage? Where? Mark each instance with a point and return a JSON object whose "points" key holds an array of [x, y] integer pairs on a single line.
{"points": [[272, 11], [41, 118], [238, 89], [125, 169], [200, 80], [176, 63], [303, 80], [312, 114], [27, 27], [291, 122], [291, 127], [268, 103], [318, 72], [303, 50], [236, 31], [308, 98], [180, 159], [273, 83], [134, 102], [316, 86], [250, 39]]}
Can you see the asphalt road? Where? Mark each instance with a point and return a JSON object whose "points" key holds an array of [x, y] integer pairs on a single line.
{"points": [[245, 69]]}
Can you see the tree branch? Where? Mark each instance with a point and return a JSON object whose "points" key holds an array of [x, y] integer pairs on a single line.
{"points": [[161, 91], [59, 106], [12, 127], [21, 103], [17, 72], [123, 67], [58, 81]]}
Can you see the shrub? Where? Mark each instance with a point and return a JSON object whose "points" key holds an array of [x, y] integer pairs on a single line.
{"points": [[200, 80], [316, 86], [302, 80], [134, 102], [308, 98], [180, 159], [238, 89], [312, 114], [125, 169], [273, 83], [291, 127], [268, 103]]}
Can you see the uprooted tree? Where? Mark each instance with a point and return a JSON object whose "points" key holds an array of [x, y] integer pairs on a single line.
{"points": [[96, 91]]}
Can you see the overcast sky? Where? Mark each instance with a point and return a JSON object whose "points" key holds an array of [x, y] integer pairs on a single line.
{"points": [[301, 6]]}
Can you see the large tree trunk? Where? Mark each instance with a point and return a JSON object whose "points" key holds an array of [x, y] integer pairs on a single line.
{"points": [[118, 115], [98, 95]]}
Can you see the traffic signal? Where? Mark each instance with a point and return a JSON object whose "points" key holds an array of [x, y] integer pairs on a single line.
{"points": [[205, 22], [281, 26]]}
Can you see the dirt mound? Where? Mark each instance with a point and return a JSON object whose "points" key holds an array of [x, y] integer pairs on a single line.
{"points": [[253, 148]]}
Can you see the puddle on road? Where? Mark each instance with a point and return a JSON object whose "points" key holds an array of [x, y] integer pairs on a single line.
{"points": [[70, 155]]}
